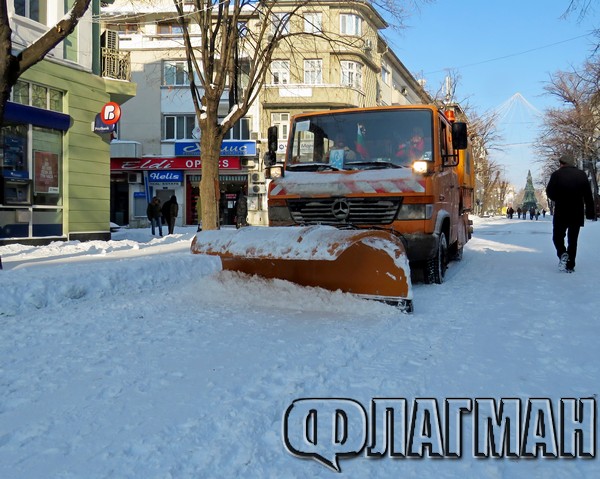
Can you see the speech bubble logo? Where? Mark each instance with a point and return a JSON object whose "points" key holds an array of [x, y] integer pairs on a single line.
{"points": [[325, 429]]}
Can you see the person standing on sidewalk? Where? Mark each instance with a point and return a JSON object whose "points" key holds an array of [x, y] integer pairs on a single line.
{"points": [[570, 191], [154, 214]]}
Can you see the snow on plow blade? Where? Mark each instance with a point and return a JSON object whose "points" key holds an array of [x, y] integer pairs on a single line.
{"points": [[367, 263]]}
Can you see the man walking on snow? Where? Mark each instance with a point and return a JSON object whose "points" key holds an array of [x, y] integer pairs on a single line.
{"points": [[569, 189]]}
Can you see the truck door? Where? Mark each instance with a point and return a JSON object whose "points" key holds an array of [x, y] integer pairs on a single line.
{"points": [[449, 191]]}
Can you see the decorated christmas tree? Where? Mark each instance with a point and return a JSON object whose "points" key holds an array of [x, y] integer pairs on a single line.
{"points": [[529, 199]]}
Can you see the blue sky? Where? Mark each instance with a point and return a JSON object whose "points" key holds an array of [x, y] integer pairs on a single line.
{"points": [[499, 48]]}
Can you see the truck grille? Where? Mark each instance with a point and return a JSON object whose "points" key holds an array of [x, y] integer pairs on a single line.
{"points": [[372, 211]]}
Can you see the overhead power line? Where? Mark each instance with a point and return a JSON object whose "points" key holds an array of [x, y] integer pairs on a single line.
{"points": [[510, 55]]}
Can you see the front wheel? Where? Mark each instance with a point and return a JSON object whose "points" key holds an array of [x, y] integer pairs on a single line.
{"points": [[435, 268]]}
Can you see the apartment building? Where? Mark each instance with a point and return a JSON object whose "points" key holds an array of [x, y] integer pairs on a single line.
{"points": [[156, 152], [55, 177], [157, 148]]}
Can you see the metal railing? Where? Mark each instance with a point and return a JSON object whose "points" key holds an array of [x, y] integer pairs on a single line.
{"points": [[116, 64]]}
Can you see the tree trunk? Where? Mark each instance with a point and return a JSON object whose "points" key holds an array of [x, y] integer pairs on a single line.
{"points": [[210, 151]]}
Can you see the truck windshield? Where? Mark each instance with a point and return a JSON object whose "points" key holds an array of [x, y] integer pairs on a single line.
{"points": [[361, 140]]}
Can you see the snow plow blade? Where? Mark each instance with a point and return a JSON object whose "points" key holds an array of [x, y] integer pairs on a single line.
{"points": [[367, 263]]}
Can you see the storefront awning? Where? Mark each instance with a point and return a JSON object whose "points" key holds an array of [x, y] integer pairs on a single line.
{"points": [[25, 114]]}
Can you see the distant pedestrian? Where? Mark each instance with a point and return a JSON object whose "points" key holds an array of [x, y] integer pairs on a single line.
{"points": [[537, 215], [170, 210], [519, 212], [154, 214], [531, 212], [543, 213], [241, 210], [570, 191], [199, 211]]}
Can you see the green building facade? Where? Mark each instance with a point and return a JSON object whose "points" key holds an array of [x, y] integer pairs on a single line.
{"points": [[55, 169]]}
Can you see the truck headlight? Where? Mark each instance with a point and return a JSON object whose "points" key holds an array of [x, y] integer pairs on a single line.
{"points": [[415, 212], [420, 167]]}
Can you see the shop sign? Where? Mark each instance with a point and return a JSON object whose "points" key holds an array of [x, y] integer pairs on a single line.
{"points": [[101, 127], [165, 178], [106, 121], [161, 163], [228, 148]]}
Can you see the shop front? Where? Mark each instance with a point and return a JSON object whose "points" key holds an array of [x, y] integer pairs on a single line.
{"points": [[179, 175], [31, 172]]}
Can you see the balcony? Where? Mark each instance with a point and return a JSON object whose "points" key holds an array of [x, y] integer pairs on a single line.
{"points": [[116, 64], [301, 95]]}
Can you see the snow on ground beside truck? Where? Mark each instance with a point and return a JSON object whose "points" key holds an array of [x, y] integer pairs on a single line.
{"points": [[134, 358]]}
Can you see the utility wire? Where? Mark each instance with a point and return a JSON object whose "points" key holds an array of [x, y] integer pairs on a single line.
{"points": [[511, 54]]}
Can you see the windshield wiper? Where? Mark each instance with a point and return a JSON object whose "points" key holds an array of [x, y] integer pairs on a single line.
{"points": [[312, 167], [374, 164]]}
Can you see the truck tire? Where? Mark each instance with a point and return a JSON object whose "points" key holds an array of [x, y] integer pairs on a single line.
{"points": [[456, 253], [435, 268]]}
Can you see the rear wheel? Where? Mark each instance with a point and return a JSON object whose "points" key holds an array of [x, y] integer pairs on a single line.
{"points": [[435, 268]]}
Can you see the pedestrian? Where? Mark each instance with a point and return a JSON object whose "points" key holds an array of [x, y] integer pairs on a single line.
{"points": [[241, 209], [537, 215], [519, 212], [531, 212], [170, 210], [199, 211], [165, 210], [544, 213], [154, 214], [570, 191]]}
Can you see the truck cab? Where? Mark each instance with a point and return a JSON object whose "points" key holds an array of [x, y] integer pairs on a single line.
{"points": [[406, 169]]}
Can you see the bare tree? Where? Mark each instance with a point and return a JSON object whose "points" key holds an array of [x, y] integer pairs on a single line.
{"points": [[13, 65], [573, 129], [488, 174], [581, 8], [215, 66]]}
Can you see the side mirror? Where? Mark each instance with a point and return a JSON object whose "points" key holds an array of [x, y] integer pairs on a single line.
{"points": [[459, 135]]}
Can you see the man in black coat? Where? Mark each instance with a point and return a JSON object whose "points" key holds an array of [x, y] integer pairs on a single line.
{"points": [[570, 190]]}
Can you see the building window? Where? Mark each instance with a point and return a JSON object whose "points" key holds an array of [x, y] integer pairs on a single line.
{"points": [[20, 93], [175, 73], [33, 9], [240, 131], [280, 72], [169, 28], [313, 72], [242, 29], [39, 96], [350, 24], [385, 74], [178, 127], [280, 23], [313, 23], [282, 122], [351, 74]]}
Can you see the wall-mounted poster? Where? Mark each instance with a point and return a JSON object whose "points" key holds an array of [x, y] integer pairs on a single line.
{"points": [[45, 178]]}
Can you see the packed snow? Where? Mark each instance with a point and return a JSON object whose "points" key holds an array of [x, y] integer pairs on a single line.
{"points": [[133, 358]]}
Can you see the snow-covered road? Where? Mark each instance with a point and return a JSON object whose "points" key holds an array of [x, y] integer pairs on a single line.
{"points": [[135, 359]]}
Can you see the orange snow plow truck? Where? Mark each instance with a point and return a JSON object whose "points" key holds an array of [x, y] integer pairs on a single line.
{"points": [[364, 196]]}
